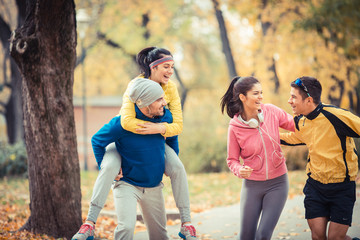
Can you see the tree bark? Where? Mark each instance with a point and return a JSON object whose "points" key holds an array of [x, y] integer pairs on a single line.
{"points": [[44, 50], [225, 40]]}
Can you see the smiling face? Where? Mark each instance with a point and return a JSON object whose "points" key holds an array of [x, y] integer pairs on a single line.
{"points": [[162, 73], [157, 107], [299, 104], [253, 98]]}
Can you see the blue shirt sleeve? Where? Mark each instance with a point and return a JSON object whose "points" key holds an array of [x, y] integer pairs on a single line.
{"points": [[173, 143], [109, 133]]}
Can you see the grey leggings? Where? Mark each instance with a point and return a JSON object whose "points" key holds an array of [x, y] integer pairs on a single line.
{"points": [[265, 198], [110, 167]]}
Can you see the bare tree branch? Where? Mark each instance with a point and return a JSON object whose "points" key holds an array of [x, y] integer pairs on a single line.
{"points": [[111, 43], [225, 40], [184, 89]]}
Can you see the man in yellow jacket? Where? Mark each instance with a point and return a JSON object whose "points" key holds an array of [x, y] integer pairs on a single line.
{"points": [[332, 167]]}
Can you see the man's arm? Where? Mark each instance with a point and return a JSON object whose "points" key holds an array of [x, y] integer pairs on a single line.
{"points": [[109, 133], [346, 123], [290, 139], [173, 143]]}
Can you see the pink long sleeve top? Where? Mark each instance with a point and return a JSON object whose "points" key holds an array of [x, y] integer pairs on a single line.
{"points": [[259, 148]]}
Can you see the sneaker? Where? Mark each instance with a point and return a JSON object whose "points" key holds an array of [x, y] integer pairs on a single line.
{"points": [[187, 232], [86, 232]]}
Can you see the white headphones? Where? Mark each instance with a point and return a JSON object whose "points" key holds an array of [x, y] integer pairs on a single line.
{"points": [[253, 123]]}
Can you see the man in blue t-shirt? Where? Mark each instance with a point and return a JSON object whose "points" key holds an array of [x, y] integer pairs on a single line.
{"points": [[143, 162]]}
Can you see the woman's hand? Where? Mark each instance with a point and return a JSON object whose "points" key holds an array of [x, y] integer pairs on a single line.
{"points": [[151, 128], [245, 171], [120, 175]]}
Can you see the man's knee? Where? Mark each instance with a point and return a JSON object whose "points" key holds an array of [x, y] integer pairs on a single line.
{"points": [[124, 231], [338, 232], [318, 236], [127, 227]]}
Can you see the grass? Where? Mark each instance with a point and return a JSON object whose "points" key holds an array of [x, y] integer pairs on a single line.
{"points": [[207, 190]]}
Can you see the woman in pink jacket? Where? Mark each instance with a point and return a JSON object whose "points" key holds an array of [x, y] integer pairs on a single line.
{"points": [[254, 137]]}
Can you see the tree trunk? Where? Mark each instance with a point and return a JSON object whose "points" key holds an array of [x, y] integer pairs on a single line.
{"points": [[275, 78], [184, 90], [225, 40], [44, 49], [269, 56]]}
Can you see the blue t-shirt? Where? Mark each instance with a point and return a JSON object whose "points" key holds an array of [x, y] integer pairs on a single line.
{"points": [[142, 156]]}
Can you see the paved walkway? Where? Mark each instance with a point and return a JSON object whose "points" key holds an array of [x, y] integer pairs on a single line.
{"points": [[223, 222]]}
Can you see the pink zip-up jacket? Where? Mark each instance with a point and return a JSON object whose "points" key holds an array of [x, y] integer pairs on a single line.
{"points": [[259, 147]]}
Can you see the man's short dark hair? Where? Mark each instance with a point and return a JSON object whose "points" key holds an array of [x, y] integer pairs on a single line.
{"points": [[312, 86]]}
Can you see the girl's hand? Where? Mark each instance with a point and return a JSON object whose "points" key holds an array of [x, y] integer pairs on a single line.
{"points": [[151, 128], [120, 175], [245, 171]]}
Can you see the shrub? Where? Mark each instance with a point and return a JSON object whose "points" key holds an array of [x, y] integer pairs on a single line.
{"points": [[201, 156], [13, 159], [203, 141], [296, 157]]}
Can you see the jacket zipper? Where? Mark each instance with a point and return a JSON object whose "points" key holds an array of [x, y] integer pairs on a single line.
{"points": [[266, 162]]}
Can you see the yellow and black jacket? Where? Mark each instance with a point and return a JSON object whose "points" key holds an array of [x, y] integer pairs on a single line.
{"points": [[328, 133]]}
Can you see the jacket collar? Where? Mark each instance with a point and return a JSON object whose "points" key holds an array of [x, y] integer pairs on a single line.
{"points": [[316, 112], [142, 116]]}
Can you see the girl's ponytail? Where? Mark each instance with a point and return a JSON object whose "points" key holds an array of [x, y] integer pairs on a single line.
{"points": [[229, 101], [143, 61]]}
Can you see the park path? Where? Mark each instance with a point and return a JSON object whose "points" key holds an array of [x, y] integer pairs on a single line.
{"points": [[223, 222]]}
